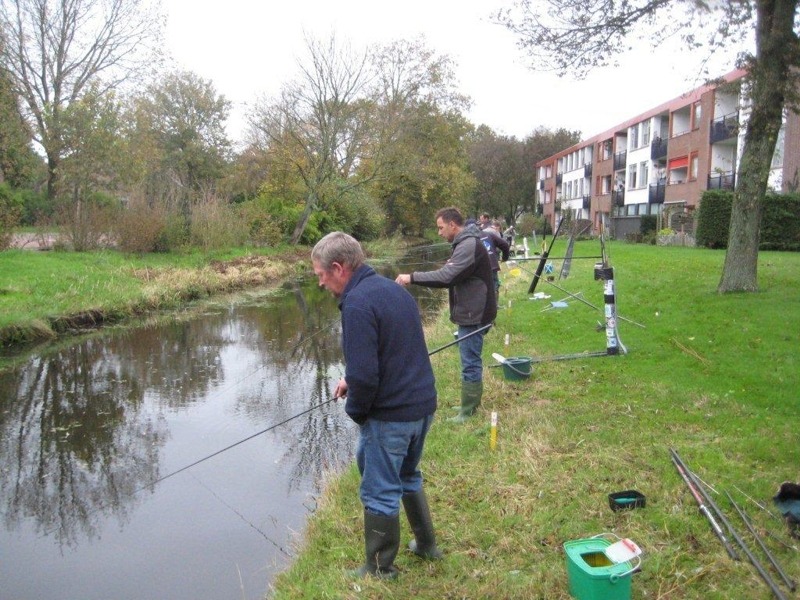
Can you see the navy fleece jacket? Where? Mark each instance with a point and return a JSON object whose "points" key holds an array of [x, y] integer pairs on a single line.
{"points": [[388, 371]]}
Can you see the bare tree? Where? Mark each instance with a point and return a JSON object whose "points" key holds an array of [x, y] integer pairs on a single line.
{"points": [[321, 123], [54, 49], [574, 36]]}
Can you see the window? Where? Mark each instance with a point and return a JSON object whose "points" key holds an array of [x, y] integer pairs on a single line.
{"points": [[698, 115], [646, 133], [632, 172], [644, 173], [607, 150], [694, 163], [633, 137]]}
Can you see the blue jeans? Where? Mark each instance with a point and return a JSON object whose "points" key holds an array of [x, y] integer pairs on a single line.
{"points": [[388, 455], [471, 350]]}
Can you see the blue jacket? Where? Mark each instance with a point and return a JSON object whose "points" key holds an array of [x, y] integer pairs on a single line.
{"points": [[387, 367]]}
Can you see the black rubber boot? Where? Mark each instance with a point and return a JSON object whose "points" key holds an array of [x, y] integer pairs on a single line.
{"points": [[419, 517], [381, 543]]}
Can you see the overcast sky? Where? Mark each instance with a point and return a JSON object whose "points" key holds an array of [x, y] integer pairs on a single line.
{"points": [[249, 48]]}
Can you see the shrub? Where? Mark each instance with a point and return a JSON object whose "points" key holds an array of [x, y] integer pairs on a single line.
{"points": [[215, 225], [779, 228], [140, 226], [780, 222], [648, 224], [87, 223], [713, 219]]}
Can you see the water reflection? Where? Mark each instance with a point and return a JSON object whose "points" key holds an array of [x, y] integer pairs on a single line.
{"points": [[85, 431]]}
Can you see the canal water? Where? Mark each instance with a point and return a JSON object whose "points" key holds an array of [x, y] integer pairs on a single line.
{"points": [[86, 429]]}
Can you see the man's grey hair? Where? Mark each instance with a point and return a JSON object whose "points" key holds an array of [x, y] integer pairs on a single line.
{"points": [[338, 247]]}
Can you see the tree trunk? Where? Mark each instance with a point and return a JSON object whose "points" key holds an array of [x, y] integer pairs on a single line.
{"points": [[303, 220], [52, 175], [769, 76]]}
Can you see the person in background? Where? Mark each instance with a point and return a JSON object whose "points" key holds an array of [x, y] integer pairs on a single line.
{"points": [[484, 221], [467, 275], [391, 394], [497, 247]]}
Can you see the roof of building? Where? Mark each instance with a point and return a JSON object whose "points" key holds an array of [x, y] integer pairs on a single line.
{"points": [[669, 106]]}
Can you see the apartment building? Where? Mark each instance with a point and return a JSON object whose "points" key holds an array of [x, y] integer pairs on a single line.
{"points": [[661, 161]]}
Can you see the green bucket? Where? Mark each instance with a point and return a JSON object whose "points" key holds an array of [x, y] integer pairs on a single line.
{"points": [[592, 575], [517, 368]]}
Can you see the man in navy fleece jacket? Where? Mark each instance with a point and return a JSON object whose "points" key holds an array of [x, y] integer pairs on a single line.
{"points": [[391, 394]]}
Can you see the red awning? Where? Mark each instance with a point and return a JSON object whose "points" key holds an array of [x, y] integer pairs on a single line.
{"points": [[679, 163]]}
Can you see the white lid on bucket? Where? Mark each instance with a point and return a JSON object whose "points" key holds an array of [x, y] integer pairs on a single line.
{"points": [[622, 551]]}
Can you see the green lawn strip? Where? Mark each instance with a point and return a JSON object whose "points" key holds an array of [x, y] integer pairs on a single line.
{"points": [[43, 293], [714, 377]]}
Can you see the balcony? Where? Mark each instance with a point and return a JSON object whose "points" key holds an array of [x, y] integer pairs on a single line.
{"points": [[587, 170], [541, 184], [620, 158], [724, 128], [722, 181], [559, 177], [587, 202], [656, 193], [658, 149], [618, 198]]}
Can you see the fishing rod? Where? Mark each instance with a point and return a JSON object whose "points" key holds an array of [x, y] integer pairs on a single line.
{"points": [[271, 427], [789, 583], [586, 302], [543, 259], [701, 504], [470, 334], [753, 560], [556, 257]]}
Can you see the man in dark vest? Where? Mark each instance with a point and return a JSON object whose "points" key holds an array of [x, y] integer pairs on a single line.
{"points": [[473, 302]]}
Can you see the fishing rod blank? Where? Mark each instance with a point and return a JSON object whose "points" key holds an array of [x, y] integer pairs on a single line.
{"points": [[320, 405], [470, 334], [753, 560], [789, 583], [703, 508], [586, 302]]}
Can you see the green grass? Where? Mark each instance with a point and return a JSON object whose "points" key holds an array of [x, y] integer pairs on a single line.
{"points": [[44, 293], [714, 376]]}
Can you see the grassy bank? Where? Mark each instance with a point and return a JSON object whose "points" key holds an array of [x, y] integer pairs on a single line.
{"points": [[44, 294], [715, 377]]}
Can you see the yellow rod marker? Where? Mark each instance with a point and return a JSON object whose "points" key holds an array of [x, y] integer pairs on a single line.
{"points": [[493, 432]]}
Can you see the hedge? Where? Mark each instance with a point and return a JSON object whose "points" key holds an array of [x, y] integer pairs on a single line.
{"points": [[780, 221]]}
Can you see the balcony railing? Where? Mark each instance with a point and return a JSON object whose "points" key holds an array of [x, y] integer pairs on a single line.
{"points": [[657, 192], [723, 181], [618, 198], [587, 202], [658, 149], [587, 170], [620, 158], [724, 128]]}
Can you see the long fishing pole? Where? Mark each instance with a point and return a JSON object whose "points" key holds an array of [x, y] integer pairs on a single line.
{"points": [[751, 557], [226, 448], [703, 508], [586, 302], [543, 259], [271, 427], [463, 337], [789, 583]]}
